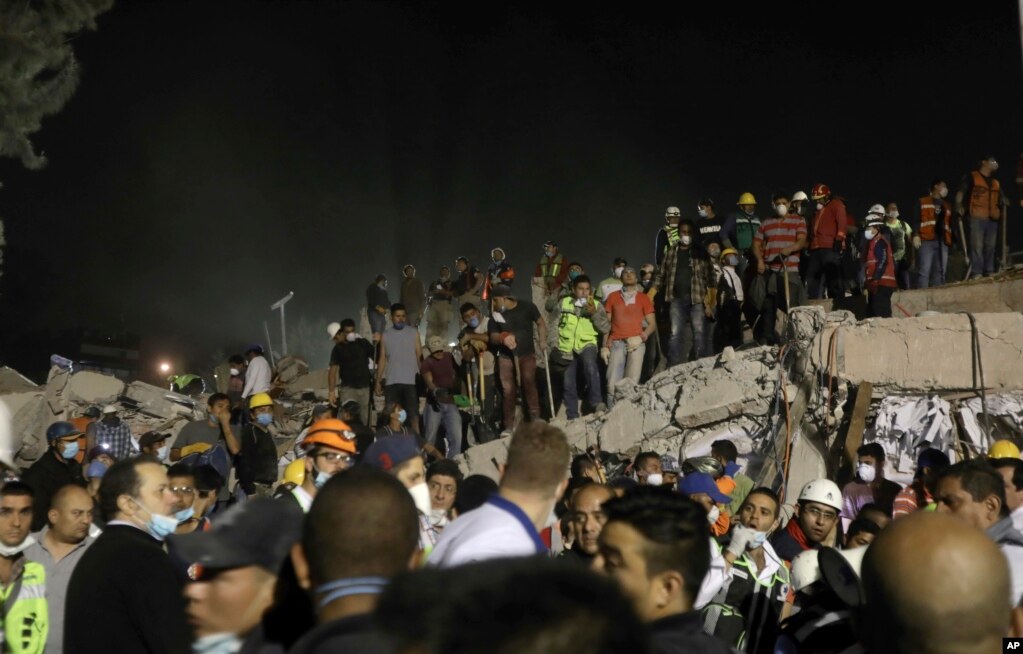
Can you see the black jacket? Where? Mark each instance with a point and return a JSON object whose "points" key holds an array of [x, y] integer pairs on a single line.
{"points": [[257, 462], [352, 634], [125, 596], [46, 476], [683, 634]]}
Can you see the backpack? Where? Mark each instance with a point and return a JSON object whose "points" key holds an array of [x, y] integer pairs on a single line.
{"points": [[215, 456]]}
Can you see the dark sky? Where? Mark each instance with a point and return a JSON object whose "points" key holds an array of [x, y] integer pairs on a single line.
{"points": [[220, 154]]}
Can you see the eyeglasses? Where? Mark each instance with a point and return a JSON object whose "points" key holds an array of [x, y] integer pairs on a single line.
{"points": [[827, 516], [182, 490], [335, 457]]}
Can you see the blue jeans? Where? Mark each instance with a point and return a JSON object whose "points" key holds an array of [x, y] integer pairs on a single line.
{"points": [[623, 364], [588, 359], [452, 420], [932, 264], [687, 321], [983, 242]]}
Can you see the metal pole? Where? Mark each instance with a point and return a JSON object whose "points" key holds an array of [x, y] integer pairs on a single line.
{"points": [[284, 336], [266, 328]]}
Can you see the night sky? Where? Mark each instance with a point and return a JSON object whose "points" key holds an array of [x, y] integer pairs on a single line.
{"points": [[220, 154]]}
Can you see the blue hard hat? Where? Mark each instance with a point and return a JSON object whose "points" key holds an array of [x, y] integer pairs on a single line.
{"points": [[60, 430]]}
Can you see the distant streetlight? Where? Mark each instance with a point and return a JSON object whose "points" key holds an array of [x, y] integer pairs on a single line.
{"points": [[165, 367]]}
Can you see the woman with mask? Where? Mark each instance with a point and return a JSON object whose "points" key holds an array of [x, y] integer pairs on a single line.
{"points": [[55, 468], [393, 424]]}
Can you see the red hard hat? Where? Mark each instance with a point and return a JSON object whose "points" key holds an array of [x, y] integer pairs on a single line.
{"points": [[820, 191]]}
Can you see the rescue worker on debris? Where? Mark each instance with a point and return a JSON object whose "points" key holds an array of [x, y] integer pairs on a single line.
{"points": [[776, 248], [667, 235], [746, 611], [500, 272], [980, 197], [814, 522], [438, 314], [878, 265], [551, 270], [469, 284], [709, 225], [740, 229], [582, 324], [827, 240], [329, 449], [901, 238], [728, 304], [613, 283], [413, 295], [631, 314], [376, 306], [934, 236], [257, 463], [686, 279]]}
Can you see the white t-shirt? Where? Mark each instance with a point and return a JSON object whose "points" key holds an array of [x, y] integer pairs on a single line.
{"points": [[490, 532], [257, 377]]}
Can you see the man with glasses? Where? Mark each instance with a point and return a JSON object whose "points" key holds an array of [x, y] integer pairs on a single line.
{"points": [[330, 448], [182, 484], [813, 525]]}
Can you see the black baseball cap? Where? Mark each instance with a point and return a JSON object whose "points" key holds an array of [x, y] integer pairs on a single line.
{"points": [[150, 437], [502, 290], [258, 532]]}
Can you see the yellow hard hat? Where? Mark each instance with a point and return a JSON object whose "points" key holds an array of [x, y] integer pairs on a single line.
{"points": [[295, 472], [727, 251], [1003, 449], [260, 399], [746, 198]]}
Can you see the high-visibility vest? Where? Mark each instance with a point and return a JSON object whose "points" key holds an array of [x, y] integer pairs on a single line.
{"points": [[984, 197], [26, 616], [928, 219], [745, 612], [550, 267], [888, 277], [574, 332]]}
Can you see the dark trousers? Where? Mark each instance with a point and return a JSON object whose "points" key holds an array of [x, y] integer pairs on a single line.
{"points": [[880, 305], [509, 387], [587, 359], [824, 271]]}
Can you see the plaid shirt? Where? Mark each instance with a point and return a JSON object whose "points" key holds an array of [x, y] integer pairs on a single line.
{"points": [[116, 438], [702, 276]]}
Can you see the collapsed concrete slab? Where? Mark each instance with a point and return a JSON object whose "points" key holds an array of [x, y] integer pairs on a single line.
{"points": [[290, 368], [1003, 293], [159, 402], [94, 388], [314, 382], [12, 381]]}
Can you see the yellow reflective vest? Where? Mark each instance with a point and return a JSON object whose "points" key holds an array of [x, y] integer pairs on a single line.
{"points": [[26, 617], [574, 332]]}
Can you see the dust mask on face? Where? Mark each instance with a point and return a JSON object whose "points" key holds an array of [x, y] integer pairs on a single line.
{"points": [[11, 551], [702, 213], [944, 192], [782, 209], [893, 214], [819, 206], [421, 497], [618, 272], [866, 472], [235, 372], [350, 337], [687, 239], [654, 479], [870, 233]]}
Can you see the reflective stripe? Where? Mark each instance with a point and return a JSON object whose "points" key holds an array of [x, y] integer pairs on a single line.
{"points": [[823, 621]]}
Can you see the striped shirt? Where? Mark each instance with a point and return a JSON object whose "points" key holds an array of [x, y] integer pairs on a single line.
{"points": [[777, 233]]}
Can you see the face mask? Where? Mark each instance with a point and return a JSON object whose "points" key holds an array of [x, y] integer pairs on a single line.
{"points": [[350, 337], [819, 206], [235, 372], [159, 526], [69, 450], [702, 213], [748, 212], [618, 271], [732, 260], [402, 416], [399, 325], [654, 479], [162, 452], [14, 550], [866, 472], [383, 285], [686, 239], [184, 515], [474, 322], [757, 541], [438, 517], [782, 209], [549, 253], [222, 643], [265, 419], [572, 274], [421, 497], [321, 478], [713, 515], [944, 192], [893, 214], [870, 234]]}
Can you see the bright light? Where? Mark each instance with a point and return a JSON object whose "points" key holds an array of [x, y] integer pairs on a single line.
{"points": [[165, 367]]}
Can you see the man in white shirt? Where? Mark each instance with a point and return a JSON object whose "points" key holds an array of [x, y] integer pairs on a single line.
{"points": [[258, 376], [509, 523], [1012, 472]]}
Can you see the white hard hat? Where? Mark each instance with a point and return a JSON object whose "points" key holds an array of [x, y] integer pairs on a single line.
{"points": [[877, 210], [823, 491], [333, 328], [805, 570], [110, 408], [799, 195], [671, 212]]}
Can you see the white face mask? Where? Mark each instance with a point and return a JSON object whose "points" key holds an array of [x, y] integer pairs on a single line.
{"points": [[819, 206], [867, 473], [219, 643], [944, 192], [162, 452], [893, 214], [782, 209], [235, 372], [421, 496], [14, 550], [870, 233], [686, 239], [713, 515], [758, 540], [702, 212], [351, 337], [438, 517], [655, 479]]}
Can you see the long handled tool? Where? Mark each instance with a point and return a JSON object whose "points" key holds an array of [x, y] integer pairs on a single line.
{"points": [[966, 252], [550, 391], [1005, 238]]}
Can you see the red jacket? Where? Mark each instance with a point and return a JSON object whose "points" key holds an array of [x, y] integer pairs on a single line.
{"points": [[829, 224]]}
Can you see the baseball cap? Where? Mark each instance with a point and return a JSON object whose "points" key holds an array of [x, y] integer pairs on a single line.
{"points": [[390, 452], [150, 437], [110, 408], [669, 463], [258, 532], [102, 448], [435, 343], [91, 412], [502, 290], [701, 482]]}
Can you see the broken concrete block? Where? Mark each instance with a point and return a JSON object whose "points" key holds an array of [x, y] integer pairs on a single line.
{"points": [[484, 459], [290, 368], [159, 402], [12, 381], [315, 381], [978, 296], [56, 392], [89, 387], [30, 416]]}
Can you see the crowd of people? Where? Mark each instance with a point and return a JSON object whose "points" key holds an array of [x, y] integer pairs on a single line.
{"points": [[374, 550]]}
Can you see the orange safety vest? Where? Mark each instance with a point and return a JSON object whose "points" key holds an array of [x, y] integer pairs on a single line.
{"points": [[888, 277], [549, 268], [928, 220], [985, 197]]}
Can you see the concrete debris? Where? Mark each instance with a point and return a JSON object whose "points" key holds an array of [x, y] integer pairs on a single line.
{"points": [[93, 388], [290, 368], [998, 294], [314, 382], [12, 381], [1004, 415], [161, 403], [904, 424]]}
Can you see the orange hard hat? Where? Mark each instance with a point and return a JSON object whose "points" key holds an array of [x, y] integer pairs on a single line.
{"points": [[820, 191], [331, 432]]}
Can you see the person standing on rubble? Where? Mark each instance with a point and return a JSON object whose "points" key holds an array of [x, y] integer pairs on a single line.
{"points": [[631, 314], [438, 315], [934, 236], [985, 204], [879, 266], [349, 364], [258, 376], [468, 285], [413, 295], [827, 241], [776, 248], [901, 238], [376, 306], [582, 325], [401, 354], [511, 332], [114, 434], [667, 236], [686, 279], [739, 230]]}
